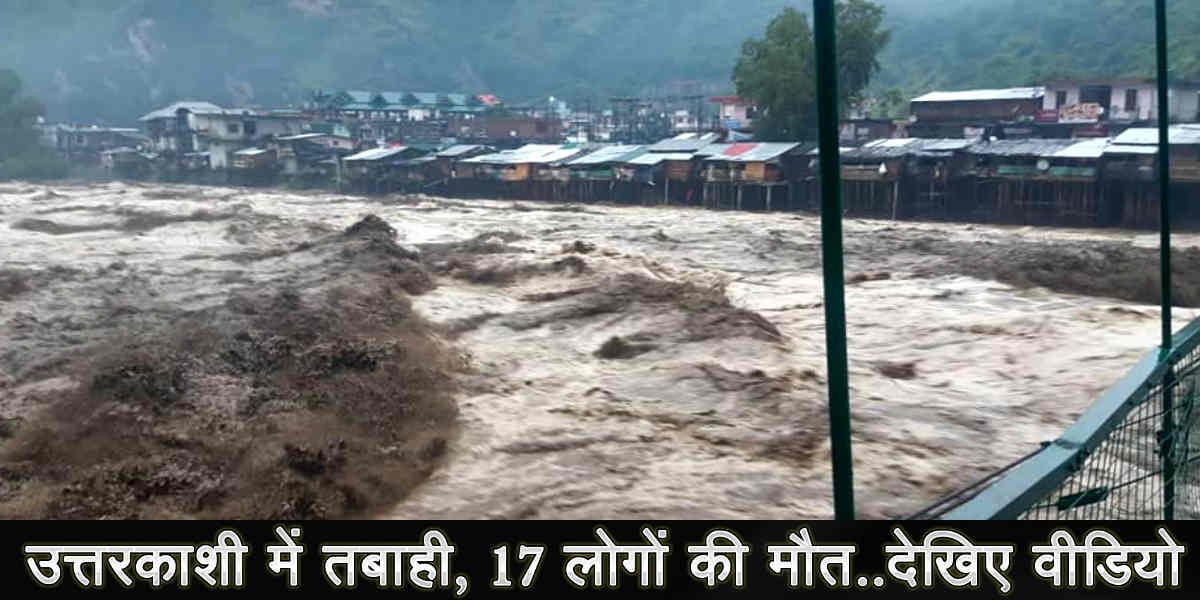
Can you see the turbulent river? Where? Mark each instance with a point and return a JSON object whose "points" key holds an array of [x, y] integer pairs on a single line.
{"points": [[952, 374]]}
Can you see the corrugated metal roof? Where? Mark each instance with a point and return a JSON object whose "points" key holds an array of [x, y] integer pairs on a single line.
{"points": [[1184, 135], [98, 129], [946, 145], [681, 144], [609, 154], [524, 154], [1130, 149], [983, 95], [749, 152], [251, 152], [1020, 147], [302, 136], [888, 148], [650, 159], [1093, 148], [559, 155], [418, 161], [459, 150], [168, 112], [842, 150], [376, 154]]}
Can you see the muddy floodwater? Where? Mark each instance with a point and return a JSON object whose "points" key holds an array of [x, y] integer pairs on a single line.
{"points": [[590, 392]]}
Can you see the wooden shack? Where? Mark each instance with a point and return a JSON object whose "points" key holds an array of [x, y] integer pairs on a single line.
{"points": [[378, 170], [1130, 182], [643, 180], [1131, 175], [746, 175], [449, 156], [872, 176], [1011, 181], [951, 114], [254, 158], [125, 163], [680, 165], [505, 174], [593, 177]]}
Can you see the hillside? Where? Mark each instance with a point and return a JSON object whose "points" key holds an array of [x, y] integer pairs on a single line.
{"points": [[113, 59]]}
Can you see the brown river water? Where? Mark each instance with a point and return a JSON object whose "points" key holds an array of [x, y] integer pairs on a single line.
{"points": [[951, 375]]}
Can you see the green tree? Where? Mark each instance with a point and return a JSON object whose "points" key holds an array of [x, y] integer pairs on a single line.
{"points": [[860, 40], [778, 72], [22, 156], [891, 104]]}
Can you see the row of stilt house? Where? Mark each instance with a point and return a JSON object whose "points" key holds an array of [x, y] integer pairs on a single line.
{"points": [[1095, 182]]}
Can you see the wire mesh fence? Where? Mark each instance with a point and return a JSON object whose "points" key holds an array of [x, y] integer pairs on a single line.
{"points": [[1133, 455], [1145, 468]]}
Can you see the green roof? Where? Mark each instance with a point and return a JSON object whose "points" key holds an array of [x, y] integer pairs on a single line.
{"points": [[394, 101]]}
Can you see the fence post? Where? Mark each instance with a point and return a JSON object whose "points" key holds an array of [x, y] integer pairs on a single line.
{"points": [[1167, 434], [824, 25]]}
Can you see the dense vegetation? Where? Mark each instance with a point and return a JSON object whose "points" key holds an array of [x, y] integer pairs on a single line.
{"points": [[999, 43], [21, 156], [778, 71], [114, 59]]}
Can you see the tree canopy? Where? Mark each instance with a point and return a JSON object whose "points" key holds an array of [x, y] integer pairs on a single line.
{"points": [[110, 61], [21, 154], [778, 72]]}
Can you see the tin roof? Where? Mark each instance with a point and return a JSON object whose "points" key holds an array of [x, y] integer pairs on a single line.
{"points": [[168, 112], [749, 152], [1185, 135], [376, 153], [302, 136], [688, 142], [561, 154], [1048, 147], [98, 129], [650, 159], [889, 148], [609, 154], [842, 150], [1029, 93], [524, 154], [250, 152], [418, 161], [459, 150], [1130, 149], [1093, 148]]}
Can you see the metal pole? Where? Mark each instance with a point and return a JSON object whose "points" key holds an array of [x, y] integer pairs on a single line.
{"points": [[824, 24], [1164, 170], [1166, 436]]}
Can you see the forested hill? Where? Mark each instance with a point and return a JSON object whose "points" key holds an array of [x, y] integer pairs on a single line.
{"points": [[985, 43], [111, 60]]}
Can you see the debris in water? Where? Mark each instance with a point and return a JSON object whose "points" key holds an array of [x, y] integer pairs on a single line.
{"points": [[897, 370]]}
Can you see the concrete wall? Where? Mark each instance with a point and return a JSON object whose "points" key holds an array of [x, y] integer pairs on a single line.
{"points": [[1185, 102]]}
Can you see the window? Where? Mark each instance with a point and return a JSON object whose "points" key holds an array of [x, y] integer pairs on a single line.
{"points": [[1131, 100], [1060, 99], [250, 127], [232, 128]]}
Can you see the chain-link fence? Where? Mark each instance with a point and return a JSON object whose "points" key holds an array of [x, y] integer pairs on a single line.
{"points": [[1132, 455]]}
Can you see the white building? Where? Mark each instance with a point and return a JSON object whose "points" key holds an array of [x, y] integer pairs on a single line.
{"points": [[201, 127], [1120, 100]]}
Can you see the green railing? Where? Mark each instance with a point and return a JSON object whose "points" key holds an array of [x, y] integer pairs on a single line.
{"points": [[1132, 455]]}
